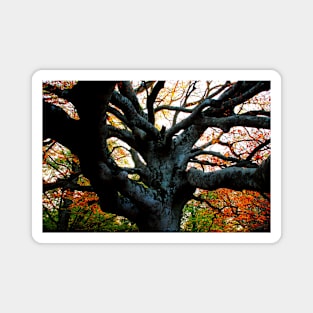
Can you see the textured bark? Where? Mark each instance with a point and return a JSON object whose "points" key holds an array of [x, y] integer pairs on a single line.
{"points": [[161, 157], [234, 178]]}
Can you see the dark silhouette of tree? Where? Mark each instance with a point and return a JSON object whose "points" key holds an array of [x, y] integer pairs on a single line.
{"points": [[166, 131]]}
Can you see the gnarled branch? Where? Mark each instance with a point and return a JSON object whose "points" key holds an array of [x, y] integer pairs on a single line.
{"points": [[233, 177]]}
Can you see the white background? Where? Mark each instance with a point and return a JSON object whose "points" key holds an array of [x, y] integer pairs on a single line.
{"points": [[156, 35]]}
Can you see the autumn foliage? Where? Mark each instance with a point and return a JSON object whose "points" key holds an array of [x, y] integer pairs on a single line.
{"points": [[70, 203], [225, 210]]}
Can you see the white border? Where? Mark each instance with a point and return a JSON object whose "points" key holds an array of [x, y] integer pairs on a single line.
{"points": [[42, 237]]}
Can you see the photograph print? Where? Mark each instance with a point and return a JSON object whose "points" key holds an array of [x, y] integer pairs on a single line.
{"points": [[157, 156]]}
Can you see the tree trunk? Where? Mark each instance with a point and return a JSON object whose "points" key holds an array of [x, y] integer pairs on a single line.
{"points": [[168, 216], [169, 179]]}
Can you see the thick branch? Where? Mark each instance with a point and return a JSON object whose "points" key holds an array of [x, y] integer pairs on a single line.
{"points": [[126, 89], [134, 119], [117, 114], [122, 134], [225, 123], [59, 126], [151, 99], [191, 118], [145, 198], [246, 95], [90, 99], [233, 177], [236, 89]]}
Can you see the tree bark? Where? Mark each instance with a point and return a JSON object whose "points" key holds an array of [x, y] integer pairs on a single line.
{"points": [[234, 178], [156, 202]]}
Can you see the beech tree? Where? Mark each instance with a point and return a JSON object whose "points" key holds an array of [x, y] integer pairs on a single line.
{"points": [[148, 146]]}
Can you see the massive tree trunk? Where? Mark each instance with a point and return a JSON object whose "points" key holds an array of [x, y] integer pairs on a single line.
{"points": [[161, 158], [168, 178]]}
